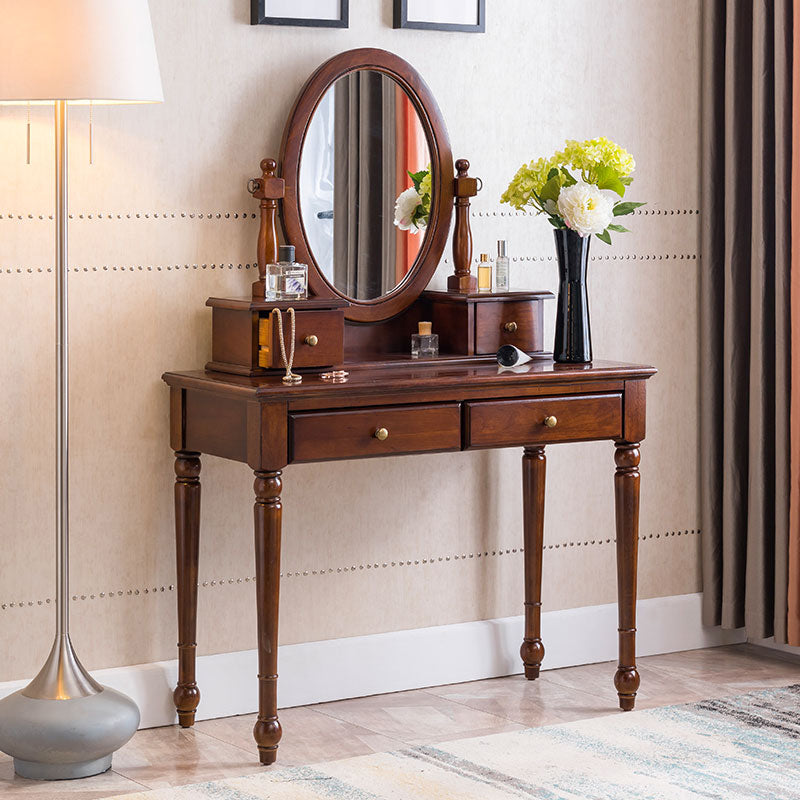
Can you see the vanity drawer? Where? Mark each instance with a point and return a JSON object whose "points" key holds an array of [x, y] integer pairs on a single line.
{"points": [[523, 422], [322, 436], [319, 339], [502, 322]]}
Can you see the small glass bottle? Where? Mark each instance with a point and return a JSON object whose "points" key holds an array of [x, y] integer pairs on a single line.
{"points": [[286, 280], [501, 276], [424, 344], [485, 274]]}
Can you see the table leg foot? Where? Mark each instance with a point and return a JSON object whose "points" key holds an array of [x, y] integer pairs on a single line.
{"points": [[267, 734], [626, 682]]}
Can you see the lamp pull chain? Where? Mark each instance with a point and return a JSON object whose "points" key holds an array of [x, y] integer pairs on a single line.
{"points": [[28, 137], [91, 143]]}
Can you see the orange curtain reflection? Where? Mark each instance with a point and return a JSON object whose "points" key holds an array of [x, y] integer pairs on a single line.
{"points": [[411, 155]]}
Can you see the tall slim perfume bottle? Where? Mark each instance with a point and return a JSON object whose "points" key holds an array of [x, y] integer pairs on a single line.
{"points": [[484, 274], [501, 271], [286, 280]]}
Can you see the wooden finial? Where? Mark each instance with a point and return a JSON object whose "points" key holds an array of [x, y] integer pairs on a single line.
{"points": [[464, 187], [268, 189]]}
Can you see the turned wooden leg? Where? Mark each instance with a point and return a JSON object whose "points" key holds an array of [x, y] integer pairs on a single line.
{"points": [[267, 730], [533, 478], [187, 537], [626, 495]]}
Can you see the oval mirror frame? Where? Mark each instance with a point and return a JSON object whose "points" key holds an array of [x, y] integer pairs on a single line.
{"points": [[409, 289]]}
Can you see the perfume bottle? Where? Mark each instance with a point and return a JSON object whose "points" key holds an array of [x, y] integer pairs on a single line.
{"points": [[484, 274], [501, 276], [286, 280], [424, 344]]}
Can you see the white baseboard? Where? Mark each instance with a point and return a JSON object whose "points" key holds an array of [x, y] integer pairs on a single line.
{"points": [[317, 672]]}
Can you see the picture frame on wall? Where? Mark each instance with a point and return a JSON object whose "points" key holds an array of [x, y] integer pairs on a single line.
{"points": [[467, 16], [306, 13]]}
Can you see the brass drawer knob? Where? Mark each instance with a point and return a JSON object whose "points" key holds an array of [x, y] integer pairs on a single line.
{"points": [[510, 327], [311, 340], [381, 434], [551, 421]]}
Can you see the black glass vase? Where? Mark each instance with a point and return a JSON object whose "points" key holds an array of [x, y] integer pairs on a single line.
{"points": [[573, 343]]}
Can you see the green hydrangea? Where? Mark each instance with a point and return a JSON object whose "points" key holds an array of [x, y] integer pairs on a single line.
{"points": [[529, 182], [587, 156]]}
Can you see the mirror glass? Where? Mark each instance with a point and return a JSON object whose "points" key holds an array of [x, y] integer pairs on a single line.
{"points": [[365, 186]]}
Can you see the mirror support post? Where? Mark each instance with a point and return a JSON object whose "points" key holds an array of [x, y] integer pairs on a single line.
{"points": [[464, 187], [268, 189]]}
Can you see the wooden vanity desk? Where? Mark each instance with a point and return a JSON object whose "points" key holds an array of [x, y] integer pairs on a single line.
{"points": [[389, 404]]}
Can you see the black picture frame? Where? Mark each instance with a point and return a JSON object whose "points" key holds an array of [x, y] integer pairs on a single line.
{"points": [[401, 20], [258, 16]]}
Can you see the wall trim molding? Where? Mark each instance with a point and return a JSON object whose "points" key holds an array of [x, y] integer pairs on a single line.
{"points": [[336, 669]]}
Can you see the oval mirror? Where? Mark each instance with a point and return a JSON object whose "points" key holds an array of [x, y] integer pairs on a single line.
{"points": [[364, 156], [365, 186]]}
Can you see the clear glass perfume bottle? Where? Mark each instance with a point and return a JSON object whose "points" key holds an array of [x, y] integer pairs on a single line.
{"points": [[501, 271], [424, 344], [484, 274], [286, 280]]}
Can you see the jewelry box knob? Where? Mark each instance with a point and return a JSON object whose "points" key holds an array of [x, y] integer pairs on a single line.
{"points": [[311, 340], [381, 434], [551, 421], [510, 327]]}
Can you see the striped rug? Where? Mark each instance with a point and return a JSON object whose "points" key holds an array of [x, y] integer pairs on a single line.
{"points": [[746, 747]]}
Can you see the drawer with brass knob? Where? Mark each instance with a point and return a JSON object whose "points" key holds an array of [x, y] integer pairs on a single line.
{"points": [[319, 339], [328, 435], [539, 420]]}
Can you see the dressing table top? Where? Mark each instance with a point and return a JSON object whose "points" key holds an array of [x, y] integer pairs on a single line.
{"points": [[409, 376]]}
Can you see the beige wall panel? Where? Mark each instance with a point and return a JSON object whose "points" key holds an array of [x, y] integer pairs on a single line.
{"points": [[162, 220]]}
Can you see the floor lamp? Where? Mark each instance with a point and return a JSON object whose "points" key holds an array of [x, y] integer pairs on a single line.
{"points": [[64, 724]]}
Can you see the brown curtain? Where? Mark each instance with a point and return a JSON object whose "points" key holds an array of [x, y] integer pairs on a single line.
{"points": [[793, 621], [745, 313]]}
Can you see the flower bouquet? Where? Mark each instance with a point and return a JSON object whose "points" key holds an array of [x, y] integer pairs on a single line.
{"points": [[581, 190], [412, 209]]}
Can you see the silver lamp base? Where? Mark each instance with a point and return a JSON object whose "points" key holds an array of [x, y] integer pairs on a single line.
{"points": [[60, 739], [64, 724]]}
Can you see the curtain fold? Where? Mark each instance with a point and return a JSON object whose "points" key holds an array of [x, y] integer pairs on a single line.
{"points": [[793, 588], [744, 310]]}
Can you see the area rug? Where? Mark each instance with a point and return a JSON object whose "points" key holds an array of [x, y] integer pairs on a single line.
{"points": [[746, 746]]}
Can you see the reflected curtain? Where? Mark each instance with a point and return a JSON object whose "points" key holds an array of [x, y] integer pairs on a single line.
{"points": [[745, 313], [364, 184]]}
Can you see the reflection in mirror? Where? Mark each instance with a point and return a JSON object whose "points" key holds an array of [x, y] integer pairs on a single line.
{"points": [[364, 186]]}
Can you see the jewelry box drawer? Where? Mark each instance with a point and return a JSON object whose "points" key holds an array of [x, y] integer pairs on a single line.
{"points": [[319, 339], [544, 419], [327, 435], [503, 322]]}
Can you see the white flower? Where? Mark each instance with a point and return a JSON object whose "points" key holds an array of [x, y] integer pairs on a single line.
{"points": [[404, 208], [585, 208]]}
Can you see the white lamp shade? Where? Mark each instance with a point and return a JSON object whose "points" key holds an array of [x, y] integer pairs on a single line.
{"points": [[78, 50]]}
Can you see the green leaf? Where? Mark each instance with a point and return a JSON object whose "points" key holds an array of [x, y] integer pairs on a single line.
{"points": [[605, 236], [627, 180], [568, 179], [556, 222], [417, 177], [618, 229], [551, 189], [553, 172], [621, 209], [608, 178]]}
